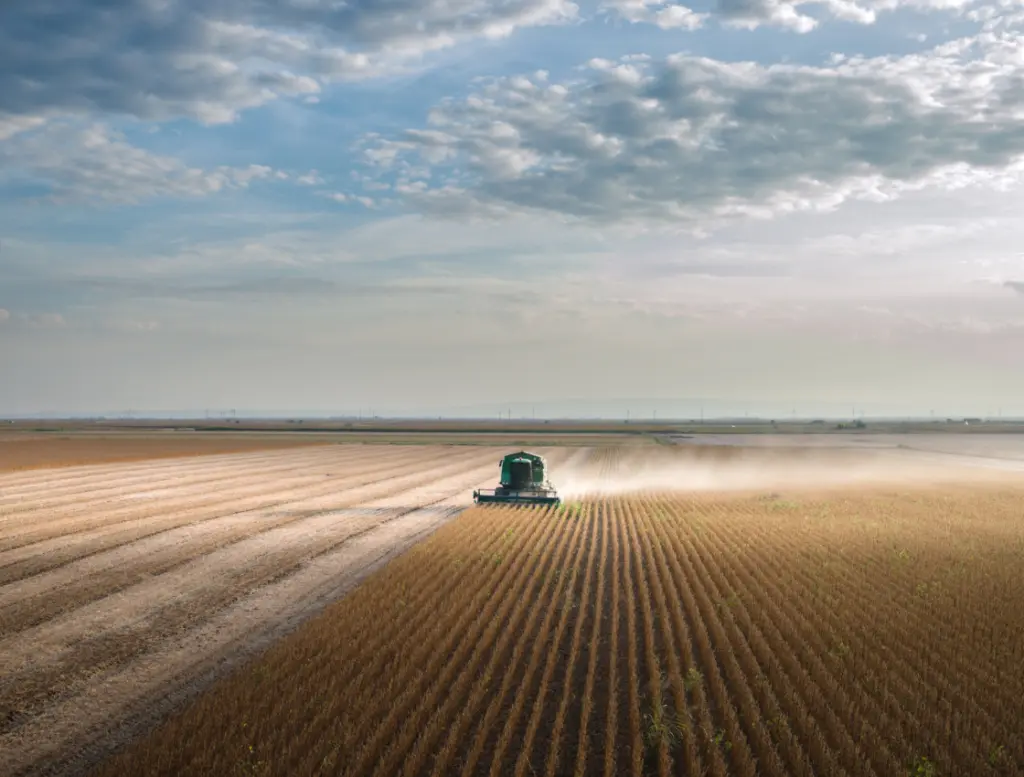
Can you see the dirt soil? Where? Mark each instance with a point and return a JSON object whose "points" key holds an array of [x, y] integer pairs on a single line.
{"points": [[126, 588]]}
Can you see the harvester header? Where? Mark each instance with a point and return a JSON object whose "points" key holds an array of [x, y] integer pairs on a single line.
{"points": [[523, 481]]}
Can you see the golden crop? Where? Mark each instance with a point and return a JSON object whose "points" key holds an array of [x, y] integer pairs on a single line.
{"points": [[861, 633]]}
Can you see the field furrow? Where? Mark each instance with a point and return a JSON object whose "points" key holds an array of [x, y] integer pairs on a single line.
{"points": [[896, 706], [488, 696], [534, 744], [810, 720], [284, 501], [88, 525], [464, 639], [857, 632], [51, 490], [163, 542], [312, 526], [573, 600], [130, 618]]}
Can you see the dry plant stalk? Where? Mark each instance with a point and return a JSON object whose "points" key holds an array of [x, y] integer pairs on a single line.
{"points": [[877, 632]]}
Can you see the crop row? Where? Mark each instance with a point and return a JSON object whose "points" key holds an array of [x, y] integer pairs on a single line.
{"points": [[873, 633]]}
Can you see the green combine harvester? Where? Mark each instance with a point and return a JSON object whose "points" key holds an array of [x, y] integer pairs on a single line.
{"points": [[522, 482]]}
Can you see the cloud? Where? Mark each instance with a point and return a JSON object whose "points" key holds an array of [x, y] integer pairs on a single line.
{"points": [[12, 125], [688, 138], [209, 59], [4, 315], [751, 14], [312, 178], [1017, 286], [664, 15], [97, 163]]}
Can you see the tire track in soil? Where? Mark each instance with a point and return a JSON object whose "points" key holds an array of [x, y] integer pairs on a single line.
{"points": [[56, 489], [64, 550], [47, 642], [82, 524], [209, 589], [30, 481], [53, 553], [128, 504], [76, 451], [132, 695]]}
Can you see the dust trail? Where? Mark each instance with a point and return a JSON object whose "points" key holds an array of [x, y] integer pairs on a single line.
{"points": [[730, 468]]}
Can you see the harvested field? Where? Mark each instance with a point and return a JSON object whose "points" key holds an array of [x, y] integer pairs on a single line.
{"points": [[27, 450], [125, 587], [874, 630], [128, 588]]}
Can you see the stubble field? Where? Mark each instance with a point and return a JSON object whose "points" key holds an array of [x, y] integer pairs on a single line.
{"points": [[24, 450], [721, 612], [123, 586]]}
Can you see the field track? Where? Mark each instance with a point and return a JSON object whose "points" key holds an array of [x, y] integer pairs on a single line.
{"points": [[873, 632], [124, 587]]}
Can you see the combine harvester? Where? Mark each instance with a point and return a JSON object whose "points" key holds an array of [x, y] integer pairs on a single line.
{"points": [[522, 482]]}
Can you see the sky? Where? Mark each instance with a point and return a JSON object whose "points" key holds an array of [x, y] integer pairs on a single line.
{"points": [[469, 206]]}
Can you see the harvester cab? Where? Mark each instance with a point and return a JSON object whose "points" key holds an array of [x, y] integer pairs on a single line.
{"points": [[523, 481]]}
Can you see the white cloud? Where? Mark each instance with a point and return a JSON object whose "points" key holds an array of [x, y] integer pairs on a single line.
{"points": [[97, 163], [751, 14], [689, 138], [208, 60], [312, 178], [12, 125], [665, 15]]}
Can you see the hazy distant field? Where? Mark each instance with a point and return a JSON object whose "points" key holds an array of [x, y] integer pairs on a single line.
{"points": [[126, 587], [1004, 449]]}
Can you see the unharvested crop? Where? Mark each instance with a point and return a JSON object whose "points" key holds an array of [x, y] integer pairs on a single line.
{"points": [[874, 632]]}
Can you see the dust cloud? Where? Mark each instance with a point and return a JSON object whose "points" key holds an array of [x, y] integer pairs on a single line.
{"points": [[732, 468]]}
